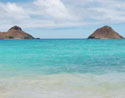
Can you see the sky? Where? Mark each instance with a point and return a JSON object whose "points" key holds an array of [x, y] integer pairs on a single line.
{"points": [[62, 18]]}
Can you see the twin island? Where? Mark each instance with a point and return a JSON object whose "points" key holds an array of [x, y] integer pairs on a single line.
{"points": [[16, 32]]}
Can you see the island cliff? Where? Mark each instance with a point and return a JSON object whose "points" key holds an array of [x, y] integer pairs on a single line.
{"points": [[15, 33], [105, 32]]}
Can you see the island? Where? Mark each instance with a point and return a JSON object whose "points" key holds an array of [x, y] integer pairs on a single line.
{"points": [[15, 32], [105, 32]]}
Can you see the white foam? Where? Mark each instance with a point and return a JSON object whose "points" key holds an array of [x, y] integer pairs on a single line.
{"points": [[64, 86]]}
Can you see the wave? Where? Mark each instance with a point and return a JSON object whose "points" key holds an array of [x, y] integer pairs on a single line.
{"points": [[64, 86]]}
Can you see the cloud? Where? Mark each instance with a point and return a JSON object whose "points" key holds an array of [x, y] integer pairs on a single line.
{"points": [[54, 9], [108, 11], [62, 13], [11, 14]]}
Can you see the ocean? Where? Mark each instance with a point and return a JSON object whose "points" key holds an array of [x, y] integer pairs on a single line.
{"points": [[62, 68]]}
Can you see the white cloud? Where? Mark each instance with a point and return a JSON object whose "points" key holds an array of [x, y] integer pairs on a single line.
{"points": [[11, 10], [11, 14], [53, 8], [62, 13]]}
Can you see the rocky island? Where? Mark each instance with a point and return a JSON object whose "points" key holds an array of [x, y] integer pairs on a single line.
{"points": [[105, 32], [15, 33]]}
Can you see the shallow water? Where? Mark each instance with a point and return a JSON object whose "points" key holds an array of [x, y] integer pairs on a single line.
{"points": [[62, 68]]}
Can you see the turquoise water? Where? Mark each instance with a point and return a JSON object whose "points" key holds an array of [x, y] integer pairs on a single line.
{"points": [[62, 68]]}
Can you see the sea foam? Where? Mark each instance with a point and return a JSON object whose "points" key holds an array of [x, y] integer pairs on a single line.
{"points": [[64, 86]]}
